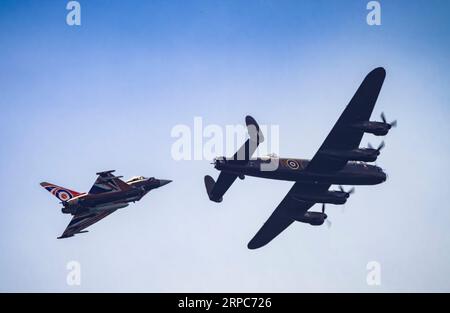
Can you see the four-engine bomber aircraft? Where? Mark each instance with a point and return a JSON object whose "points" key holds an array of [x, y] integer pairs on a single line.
{"points": [[108, 194], [338, 161]]}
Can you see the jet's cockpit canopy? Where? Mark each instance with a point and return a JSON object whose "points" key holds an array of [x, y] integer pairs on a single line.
{"points": [[270, 156], [135, 179]]}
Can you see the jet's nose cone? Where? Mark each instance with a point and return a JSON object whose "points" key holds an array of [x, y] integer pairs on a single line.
{"points": [[163, 182]]}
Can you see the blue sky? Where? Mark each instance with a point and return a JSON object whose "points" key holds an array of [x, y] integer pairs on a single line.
{"points": [[105, 95]]}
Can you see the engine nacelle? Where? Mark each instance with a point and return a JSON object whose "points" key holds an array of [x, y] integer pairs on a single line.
{"points": [[312, 218], [361, 154], [375, 128], [331, 197]]}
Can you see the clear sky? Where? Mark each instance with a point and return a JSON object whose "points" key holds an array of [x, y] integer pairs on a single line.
{"points": [[106, 94]]}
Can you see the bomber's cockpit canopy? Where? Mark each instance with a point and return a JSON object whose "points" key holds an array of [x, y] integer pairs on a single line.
{"points": [[269, 157], [135, 179]]}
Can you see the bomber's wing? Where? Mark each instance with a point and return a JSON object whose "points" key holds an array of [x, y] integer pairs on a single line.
{"points": [[107, 182], [343, 136], [82, 221], [282, 217]]}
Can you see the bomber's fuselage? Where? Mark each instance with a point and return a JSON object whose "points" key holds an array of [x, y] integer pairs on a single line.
{"points": [[354, 173]]}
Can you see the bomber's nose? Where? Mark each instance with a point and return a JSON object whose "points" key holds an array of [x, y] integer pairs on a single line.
{"points": [[163, 182]]}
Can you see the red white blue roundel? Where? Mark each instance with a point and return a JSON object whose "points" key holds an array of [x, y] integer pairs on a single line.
{"points": [[293, 164], [60, 193]]}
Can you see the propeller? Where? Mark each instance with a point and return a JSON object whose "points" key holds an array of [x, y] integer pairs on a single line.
{"points": [[380, 147], [351, 191], [383, 118], [326, 219]]}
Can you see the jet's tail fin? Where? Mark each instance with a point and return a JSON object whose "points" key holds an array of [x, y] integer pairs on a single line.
{"points": [[63, 194]]}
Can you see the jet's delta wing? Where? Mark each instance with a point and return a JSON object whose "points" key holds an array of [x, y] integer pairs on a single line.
{"points": [[82, 221], [343, 136], [107, 182]]}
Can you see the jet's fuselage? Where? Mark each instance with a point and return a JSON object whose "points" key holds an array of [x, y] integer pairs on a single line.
{"points": [[112, 200]]}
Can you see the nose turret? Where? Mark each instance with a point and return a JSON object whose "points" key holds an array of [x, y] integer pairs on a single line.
{"points": [[219, 162]]}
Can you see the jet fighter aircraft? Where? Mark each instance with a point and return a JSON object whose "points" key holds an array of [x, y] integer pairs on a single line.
{"points": [[338, 161], [108, 194]]}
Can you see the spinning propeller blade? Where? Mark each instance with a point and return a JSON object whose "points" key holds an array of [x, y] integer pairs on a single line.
{"points": [[383, 118], [351, 191], [326, 219], [380, 147]]}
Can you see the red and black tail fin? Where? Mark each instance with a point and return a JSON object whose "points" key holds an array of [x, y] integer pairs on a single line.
{"points": [[63, 194]]}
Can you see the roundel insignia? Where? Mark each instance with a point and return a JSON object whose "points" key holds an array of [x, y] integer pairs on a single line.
{"points": [[63, 195], [293, 164]]}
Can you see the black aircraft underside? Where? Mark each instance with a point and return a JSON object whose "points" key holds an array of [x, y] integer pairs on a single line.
{"points": [[351, 174], [336, 162], [86, 203], [108, 194]]}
